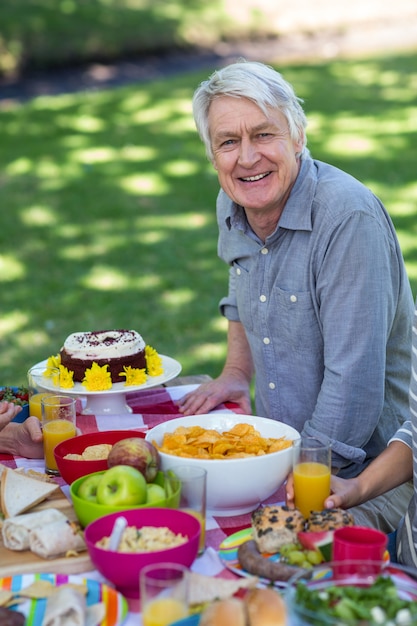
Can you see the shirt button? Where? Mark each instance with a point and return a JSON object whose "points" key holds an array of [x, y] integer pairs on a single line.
{"points": [[264, 250], [262, 298], [267, 340], [238, 271], [293, 298], [271, 385]]}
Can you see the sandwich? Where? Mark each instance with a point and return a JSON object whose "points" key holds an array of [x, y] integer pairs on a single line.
{"points": [[205, 589], [68, 607], [19, 492], [15, 530], [48, 533], [57, 539]]}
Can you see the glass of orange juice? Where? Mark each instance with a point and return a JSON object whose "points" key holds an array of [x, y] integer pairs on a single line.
{"points": [[58, 424], [193, 497], [163, 593], [311, 475], [41, 382]]}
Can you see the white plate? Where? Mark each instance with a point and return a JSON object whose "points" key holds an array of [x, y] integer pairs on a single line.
{"points": [[112, 401]]}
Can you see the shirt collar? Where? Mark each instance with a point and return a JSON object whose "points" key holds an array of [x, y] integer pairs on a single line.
{"points": [[297, 211]]}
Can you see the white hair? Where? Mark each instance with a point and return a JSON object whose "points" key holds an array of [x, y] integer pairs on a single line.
{"points": [[257, 82]]}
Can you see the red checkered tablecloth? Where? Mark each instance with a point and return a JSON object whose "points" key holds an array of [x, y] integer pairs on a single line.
{"points": [[149, 408]]}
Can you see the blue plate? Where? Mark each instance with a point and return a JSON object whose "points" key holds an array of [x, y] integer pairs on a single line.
{"points": [[24, 413], [192, 620]]}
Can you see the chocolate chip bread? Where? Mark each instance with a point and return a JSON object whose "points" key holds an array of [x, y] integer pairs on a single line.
{"points": [[328, 519], [273, 526]]}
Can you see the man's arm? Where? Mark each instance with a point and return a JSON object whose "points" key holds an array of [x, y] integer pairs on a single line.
{"points": [[232, 385]]}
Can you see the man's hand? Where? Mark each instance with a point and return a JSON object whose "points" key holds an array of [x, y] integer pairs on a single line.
{"points": [[8, 411], [225, 388], [20, 439]]}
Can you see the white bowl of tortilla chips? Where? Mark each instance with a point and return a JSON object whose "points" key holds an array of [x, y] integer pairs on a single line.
{"points": [[246, 473]]}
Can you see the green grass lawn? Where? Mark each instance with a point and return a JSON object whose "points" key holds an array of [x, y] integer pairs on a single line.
{"points": [[108, 217]]}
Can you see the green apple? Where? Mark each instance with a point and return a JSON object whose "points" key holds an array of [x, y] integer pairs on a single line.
{"points": [[122, 485], [155, 493], [88, 488]]}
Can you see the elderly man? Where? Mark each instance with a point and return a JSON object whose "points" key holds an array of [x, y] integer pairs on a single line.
{"points": [[319, 304]]}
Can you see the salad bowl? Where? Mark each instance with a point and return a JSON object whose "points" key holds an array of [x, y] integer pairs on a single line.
{"points": [[349, 593]]}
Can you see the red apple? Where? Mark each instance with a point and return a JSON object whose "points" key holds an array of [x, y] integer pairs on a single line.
{"points": [[138, 453]]}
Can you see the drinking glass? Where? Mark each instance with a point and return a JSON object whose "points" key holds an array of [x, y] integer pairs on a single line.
{"points": [[311, 475], [36, 387], [58, 424], [163, 593], [193, 495]]}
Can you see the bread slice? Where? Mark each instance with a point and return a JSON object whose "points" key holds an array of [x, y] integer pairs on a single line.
{"points": [[19, 492]]}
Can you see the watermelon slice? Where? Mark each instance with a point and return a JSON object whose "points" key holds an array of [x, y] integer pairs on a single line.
{"points": [[322, 541]]}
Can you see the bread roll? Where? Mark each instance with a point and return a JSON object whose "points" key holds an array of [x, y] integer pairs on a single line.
{"points": [[265, 607], [228, 612], [328, 519], [260, 607], [274, 526]]}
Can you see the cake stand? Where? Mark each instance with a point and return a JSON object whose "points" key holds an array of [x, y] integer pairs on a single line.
{"points": [[113, 401]]}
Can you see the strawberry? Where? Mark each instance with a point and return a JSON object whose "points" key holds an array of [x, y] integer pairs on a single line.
{"points": [[18, 395], [22, 394]]}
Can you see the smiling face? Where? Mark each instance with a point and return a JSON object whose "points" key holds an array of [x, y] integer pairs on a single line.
{"points": [[254, 156]]}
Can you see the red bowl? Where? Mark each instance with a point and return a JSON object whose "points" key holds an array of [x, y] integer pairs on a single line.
{"points": [[121, 568], [71, 469]]}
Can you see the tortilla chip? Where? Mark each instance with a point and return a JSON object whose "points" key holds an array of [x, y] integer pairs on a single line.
{"points": [[38, 589], [5, 597], [80, 587], [241, 441], [95, 614], [98, 452]]}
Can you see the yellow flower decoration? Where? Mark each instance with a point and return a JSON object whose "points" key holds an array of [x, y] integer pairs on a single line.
{"points": [[153, 362], [65, 378], [52, 363], [97, 378], [134, 375]]}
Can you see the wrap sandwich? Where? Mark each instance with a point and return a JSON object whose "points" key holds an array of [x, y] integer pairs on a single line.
{"points": [[16, 530], [68, 607], [57, 539]]}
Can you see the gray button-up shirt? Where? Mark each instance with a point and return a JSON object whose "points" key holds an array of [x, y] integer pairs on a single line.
{"points": [[327, 309], [407, 533]]}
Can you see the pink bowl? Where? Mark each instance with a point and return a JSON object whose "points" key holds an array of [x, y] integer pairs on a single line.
{"points": [[69, 469], [122, 569]]}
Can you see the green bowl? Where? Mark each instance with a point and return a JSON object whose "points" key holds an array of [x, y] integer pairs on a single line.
{"points": [[87, 511]]}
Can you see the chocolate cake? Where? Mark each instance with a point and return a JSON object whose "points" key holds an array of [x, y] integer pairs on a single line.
{"points": [[115, 348]]}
